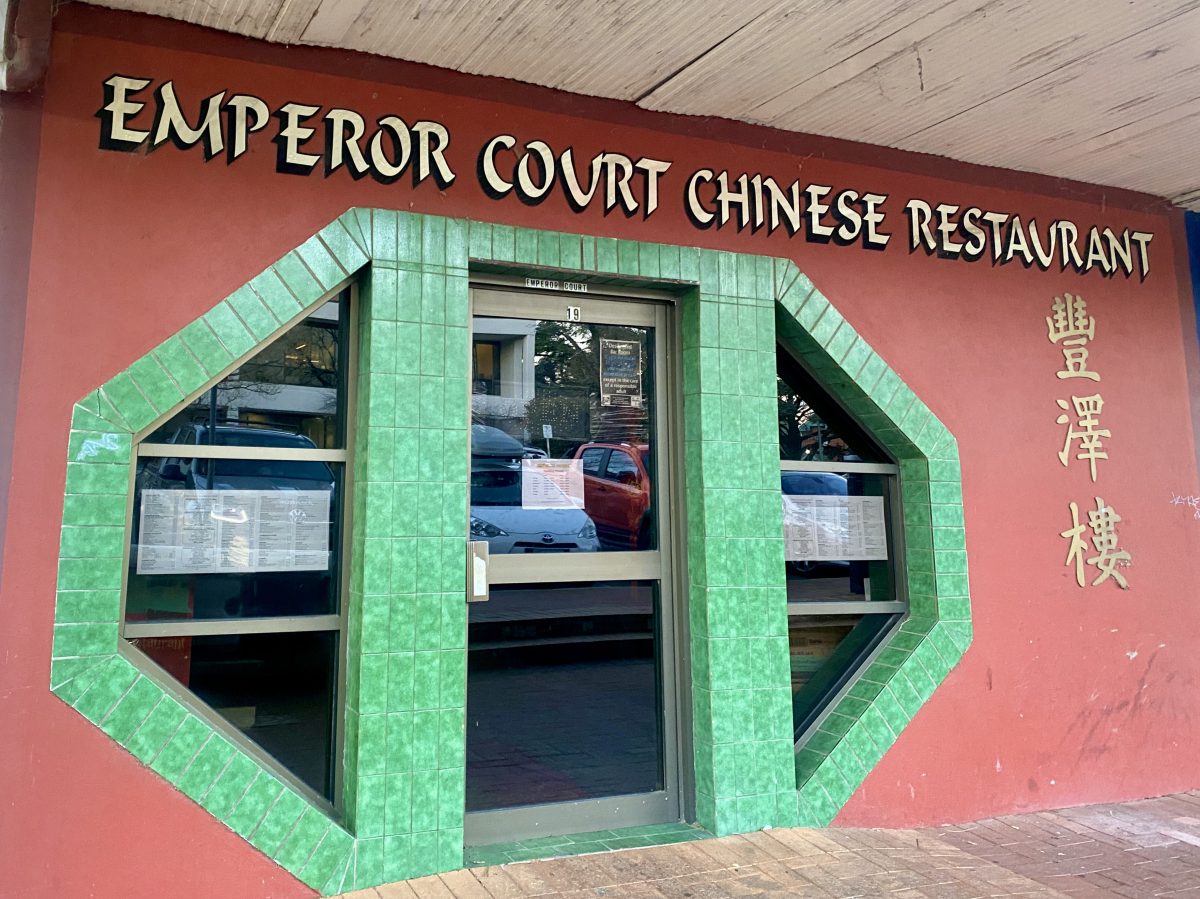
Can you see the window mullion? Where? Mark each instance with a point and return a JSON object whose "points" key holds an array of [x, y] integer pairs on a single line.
{"points": [[270, 453], [212, 627]]}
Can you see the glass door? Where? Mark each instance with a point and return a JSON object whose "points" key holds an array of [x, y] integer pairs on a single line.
{"points": [[571, 722]]}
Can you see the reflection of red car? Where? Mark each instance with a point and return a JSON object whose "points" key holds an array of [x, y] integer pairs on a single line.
{"points": [[616, 488]]}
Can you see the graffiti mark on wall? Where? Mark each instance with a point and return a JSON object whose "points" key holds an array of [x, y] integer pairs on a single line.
{"points": [[92, 447], [1192, 502]]}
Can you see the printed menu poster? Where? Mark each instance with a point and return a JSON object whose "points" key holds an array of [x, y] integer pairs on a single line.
{"points": [[227, 531], [834, 528], [552, 483], [620, 373]]}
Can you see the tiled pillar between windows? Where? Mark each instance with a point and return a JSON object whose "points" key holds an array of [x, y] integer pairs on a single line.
{"points": [[745, 776], [406, 685]]}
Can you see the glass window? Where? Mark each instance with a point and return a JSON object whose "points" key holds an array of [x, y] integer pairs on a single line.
{"points": [[840, 508], [234, 578], [813, 427], [569, 396], [277, 689], [592, 458], [838, 531], [290, 394], [826, 651], [622, 468], [535, 650], [181, 567]]}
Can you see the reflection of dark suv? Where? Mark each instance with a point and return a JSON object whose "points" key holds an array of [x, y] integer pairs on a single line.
{"points": [[186, 473]]}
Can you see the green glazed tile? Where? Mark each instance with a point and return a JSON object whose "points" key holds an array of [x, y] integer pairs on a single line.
{"points": [[179, 751], [132, 710], [303, 840], [299, 279], [155, 383], [204, 769], [323, 264], [275, 295], [252, 806], [254, 314], [230, 330], [160, 725], [230, 786], [278, 822]]}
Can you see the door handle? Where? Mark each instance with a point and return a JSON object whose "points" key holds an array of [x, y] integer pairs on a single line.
{"points": [[477, 571]]}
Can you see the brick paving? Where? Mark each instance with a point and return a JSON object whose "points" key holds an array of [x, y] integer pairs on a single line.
{"points": [[1146, 848], [1149, 847]]}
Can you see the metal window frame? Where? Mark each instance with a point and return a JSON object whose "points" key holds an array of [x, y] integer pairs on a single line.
{"points": [[347, 293], [198, 451], [838, 467], [215, 627]]}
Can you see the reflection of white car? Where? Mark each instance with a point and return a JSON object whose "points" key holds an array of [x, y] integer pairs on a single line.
{"points": [[498, 512], [512, 529]]}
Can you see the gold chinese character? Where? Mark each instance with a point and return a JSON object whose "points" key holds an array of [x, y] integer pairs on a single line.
{"points": [[1103, 522], [1086, 430], [1077, 548], [1070, 324]]}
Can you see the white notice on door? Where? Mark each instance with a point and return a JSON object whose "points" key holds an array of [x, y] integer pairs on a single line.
{"points": [[834, 528], [552, 483], [227, 531]]}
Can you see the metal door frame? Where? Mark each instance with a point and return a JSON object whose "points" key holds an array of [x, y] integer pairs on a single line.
{"points": [[494, 300]]}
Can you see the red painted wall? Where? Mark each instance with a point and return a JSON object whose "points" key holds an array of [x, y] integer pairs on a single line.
{"points": [[20, 123], [1068, 695]]}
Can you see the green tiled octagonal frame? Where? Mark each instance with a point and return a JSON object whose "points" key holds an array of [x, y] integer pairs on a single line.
{"points": [[931, 640], [406, 645]]}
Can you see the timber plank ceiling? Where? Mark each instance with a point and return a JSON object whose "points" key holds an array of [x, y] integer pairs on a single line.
{"points": [[1102, 91]]}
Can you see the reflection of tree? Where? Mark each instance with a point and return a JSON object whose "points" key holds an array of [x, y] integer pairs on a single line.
{"points": [[567, 373], [306, 356], [565, 354], [802, 433]]}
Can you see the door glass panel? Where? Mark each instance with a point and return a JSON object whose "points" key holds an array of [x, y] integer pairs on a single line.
{"points": [[838, 536], [550, 399], [563, 697]]}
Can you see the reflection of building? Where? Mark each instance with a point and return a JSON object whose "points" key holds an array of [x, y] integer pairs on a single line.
{"points": [[289, 386], [503, 357], [505, 360]]}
